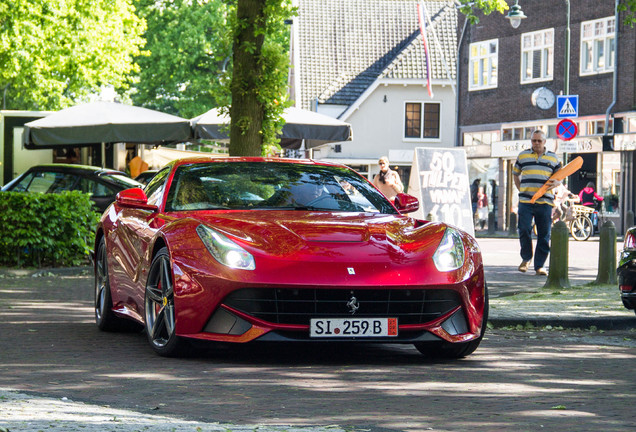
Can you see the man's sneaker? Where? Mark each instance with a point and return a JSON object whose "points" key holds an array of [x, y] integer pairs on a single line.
{"points": [[542, 272], [523, 267]]}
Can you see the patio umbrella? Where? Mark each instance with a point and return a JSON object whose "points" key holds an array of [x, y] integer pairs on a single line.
{"points": [[314, 128], [105, 122]]}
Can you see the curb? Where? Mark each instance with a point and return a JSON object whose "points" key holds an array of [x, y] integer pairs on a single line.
{"points": [[601, 323], [42, 272]]}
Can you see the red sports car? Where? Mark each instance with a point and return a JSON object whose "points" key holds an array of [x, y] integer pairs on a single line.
{"points": [[265, 249]]}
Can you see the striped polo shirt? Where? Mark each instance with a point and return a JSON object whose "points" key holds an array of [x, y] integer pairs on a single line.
{"points": [[534, 172]]}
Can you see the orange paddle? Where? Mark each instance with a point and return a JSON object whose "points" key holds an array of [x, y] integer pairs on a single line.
{"points": [[567, 170]]}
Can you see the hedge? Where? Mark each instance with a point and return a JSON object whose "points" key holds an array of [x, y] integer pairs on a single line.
{"points": [[46, 229]]}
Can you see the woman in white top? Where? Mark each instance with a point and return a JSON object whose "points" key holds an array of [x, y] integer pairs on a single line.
{"points": [[387, 180]]}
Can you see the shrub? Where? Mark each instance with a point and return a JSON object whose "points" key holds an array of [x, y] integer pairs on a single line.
{"points": [[46, 229]]}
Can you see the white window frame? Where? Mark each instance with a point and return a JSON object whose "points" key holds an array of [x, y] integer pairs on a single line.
{"points": [[483, 65], [537, 46], [422, 121], [598, 42]]}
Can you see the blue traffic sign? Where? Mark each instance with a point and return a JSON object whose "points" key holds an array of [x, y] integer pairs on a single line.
{"points": [[567, 129], [567, 106]]}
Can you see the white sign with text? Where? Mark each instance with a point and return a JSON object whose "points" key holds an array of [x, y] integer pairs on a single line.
{"points": [[439, 179]]}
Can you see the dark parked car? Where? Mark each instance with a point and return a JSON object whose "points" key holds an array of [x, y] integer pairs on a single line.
{"points": [[102, 184], [627, 270], [146, 176]]}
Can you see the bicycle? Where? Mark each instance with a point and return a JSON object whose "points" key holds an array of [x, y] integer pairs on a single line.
{"points": [[578, 219], [579, 222]]}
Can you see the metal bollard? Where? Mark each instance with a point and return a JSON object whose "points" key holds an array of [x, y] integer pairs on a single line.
{"points": [[491, 223], [558, 275], [607, 255], [512, 228], [629, 220]]}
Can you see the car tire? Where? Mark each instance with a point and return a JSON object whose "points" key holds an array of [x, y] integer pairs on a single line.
{"points": [[105, 318], [449, 350], [159, 308]]}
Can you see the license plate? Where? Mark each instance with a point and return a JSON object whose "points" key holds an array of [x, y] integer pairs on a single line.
{"points": [[353, 327]]}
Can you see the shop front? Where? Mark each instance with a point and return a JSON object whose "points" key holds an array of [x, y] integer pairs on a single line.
{"points": [[599, 167]]}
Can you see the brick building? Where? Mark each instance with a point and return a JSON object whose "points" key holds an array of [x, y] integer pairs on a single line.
{"points": [[509, 80]]}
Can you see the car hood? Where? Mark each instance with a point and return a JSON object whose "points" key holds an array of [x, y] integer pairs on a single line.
{"points": [[279, 232], [320, 248]]}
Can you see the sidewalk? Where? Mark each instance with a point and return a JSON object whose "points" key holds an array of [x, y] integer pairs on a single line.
{"points": [[520, 298]]}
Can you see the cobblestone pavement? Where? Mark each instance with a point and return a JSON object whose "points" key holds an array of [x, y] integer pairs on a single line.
{"points": [[517, 380]]}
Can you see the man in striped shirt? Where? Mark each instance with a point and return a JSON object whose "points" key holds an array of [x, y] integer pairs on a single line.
{"points": [[531, 170]]}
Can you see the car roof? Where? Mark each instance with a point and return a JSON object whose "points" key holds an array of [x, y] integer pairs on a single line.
{"points": [[208, 159], [85, 169]]}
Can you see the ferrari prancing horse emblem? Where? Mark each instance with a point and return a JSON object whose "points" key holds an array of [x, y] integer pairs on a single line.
{"points": [[353, 305]]}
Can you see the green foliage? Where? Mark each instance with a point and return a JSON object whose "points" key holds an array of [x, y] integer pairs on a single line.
{"points": [[54, 53], [469, 7], [629, 8], [46, 229], [189, 49]]}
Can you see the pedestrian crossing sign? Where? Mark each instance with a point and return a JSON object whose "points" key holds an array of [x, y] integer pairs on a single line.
{"points": [[567, 106]]}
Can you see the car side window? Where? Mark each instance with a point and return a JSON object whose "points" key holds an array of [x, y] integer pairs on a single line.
{"points": [[63, 182], [46, 182], [95, 189], [23, 185], [154, 189]]}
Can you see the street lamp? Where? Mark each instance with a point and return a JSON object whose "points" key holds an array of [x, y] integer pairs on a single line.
{"points": [[515, 15]]}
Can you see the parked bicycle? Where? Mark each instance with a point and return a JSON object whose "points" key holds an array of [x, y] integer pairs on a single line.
{"points": [[578, 219]]}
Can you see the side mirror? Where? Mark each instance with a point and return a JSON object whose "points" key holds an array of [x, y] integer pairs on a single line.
{"points": [[406, 203], [134, 198]]}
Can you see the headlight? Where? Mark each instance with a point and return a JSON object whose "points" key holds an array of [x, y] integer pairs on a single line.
{"points": [[450, 252], [225, 250]]}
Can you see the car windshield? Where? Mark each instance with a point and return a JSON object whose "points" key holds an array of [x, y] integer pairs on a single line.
{"points": [[273, 186]]}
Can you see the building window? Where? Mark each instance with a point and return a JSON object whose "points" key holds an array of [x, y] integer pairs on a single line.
{"points": [[597, 46], [421, 120], [519, 133], [596, 127], [537, 56], [483, 65], [480, 138]]}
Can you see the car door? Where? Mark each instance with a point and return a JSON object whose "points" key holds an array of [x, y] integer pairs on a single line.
{"points": [[132, 239]]}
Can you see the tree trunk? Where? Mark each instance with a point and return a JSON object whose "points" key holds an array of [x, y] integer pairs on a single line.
{"points": [[247, 112]]}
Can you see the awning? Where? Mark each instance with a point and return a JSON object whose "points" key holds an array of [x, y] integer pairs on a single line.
{"points": [[105, 122], [314, 128]]}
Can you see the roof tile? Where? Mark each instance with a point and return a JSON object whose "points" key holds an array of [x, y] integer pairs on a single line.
{"points": [[345, 45]]}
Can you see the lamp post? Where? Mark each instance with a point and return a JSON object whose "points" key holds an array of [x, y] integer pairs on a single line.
{"points": [[515, 15], [566, 80]]}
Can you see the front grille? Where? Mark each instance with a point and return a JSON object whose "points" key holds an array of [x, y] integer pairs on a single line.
{"points": [[298, 306]]}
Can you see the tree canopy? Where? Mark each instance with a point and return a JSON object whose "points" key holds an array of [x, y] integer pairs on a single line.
{"points": [[54, 53], [188, 64]]}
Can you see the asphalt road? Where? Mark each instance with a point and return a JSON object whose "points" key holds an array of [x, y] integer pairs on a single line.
{"points": [[516, 381]]}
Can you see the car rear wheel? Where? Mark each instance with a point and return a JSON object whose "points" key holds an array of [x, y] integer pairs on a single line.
{"points": [[449, 350], [105, 318], [159, 307]]}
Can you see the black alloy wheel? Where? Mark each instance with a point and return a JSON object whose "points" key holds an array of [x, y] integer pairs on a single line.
{"points": [[160, 309]]}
